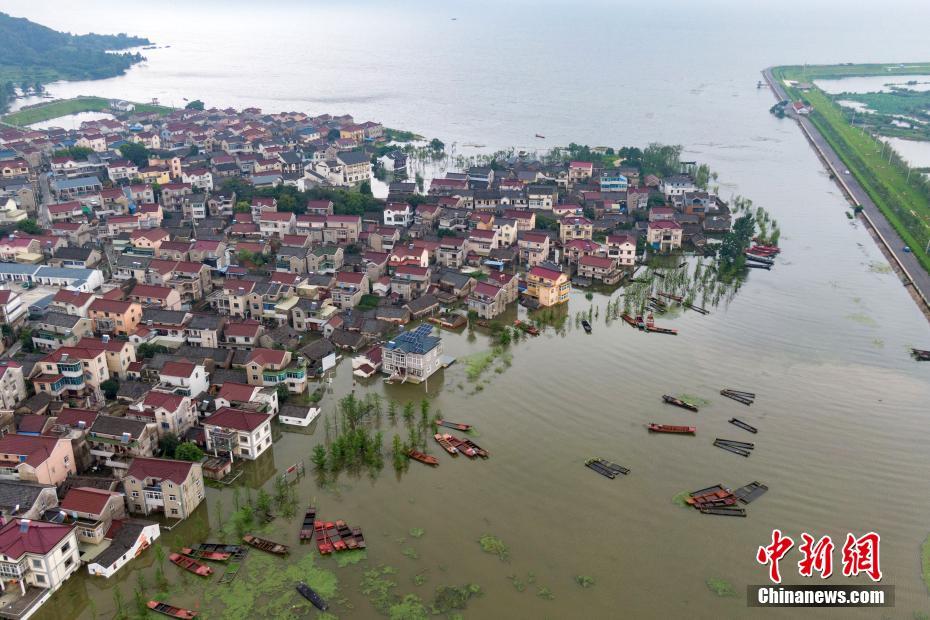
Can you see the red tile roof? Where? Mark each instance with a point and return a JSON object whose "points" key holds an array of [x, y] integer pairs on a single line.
{"points": [[151, 291], [31, 423], [161, 469], [110, 305], [39, 538], [177, 369], [241, 392], [87, 499], [71, 417], [264, 357], [662, 225], [236, 419], [163, 400], [72, 297], [242, 328], [542, 272], [601, 262], [36, 449]]}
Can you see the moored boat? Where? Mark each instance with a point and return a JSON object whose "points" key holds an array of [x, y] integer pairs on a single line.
{"points": [[197, 554], [530, 329], [586, 325], [669, 428], [921, 355], [268, 546], [306, 528], [446, 444], [478, 449], [426, 459], [671, 400], [190, 564], [457, 426], [171, 610], [308, 593], [460, 445], [359, 537]]}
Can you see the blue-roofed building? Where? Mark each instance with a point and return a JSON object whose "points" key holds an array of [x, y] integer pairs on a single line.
{"points": [[413, 355], [613, 181], [78, 186]]}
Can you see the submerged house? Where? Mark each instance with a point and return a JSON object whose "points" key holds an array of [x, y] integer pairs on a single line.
{"points": [[412, 356]]}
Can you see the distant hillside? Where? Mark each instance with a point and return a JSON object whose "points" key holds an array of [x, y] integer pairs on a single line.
{"points": [[32, 53]]}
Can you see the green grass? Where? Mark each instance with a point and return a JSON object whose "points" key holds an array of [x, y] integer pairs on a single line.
{"points": [[64, 107], [901, 202], [925, 562], [824, 72]]}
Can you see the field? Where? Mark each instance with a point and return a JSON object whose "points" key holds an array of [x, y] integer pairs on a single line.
{"points": [[901, 195], [807, 73], [63, 107]]}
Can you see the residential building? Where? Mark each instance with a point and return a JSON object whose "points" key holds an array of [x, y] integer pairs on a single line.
{"points": [[25, 500], [238, 433], [127, 538], [112, 316], [174, 488], [599, 268], [676, 185], [622, 249], [575, 227], [612, 180], [12, 384], [35, 554], [171, 413], [547, 286], [36, 458], [664, 236], [114, 441], [92, 510], [413, 355], [273, 367], [532, 247], [72, 372]]}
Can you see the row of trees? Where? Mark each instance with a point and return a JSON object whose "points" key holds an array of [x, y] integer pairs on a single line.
{"points": [[345, 202]]}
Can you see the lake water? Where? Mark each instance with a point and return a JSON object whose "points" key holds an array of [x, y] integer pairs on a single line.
{"points": [[874, 84], [823, 338], [914, 152], [71, 121]]}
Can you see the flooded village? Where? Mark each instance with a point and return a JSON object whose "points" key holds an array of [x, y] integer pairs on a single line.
{"points": [[210, 324]]}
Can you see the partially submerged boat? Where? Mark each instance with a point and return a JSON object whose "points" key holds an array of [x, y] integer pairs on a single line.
{"points": [[586, 325], [669, 428], [190, 564], [269, 546], [310, 594], [457, 426], [426, 459], [171, 610], [446, 444], [197, 554], [671, 400]]}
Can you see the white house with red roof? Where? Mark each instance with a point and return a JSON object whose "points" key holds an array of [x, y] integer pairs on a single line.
{"points": [[274, 367], [93, 511], [35, 559], [172, 413], [664, 235], [599, 268], [277, 223], [238, 433], [622, 248], [12, 308], [240, 395], [184, 378], [12, 384], [398, 214]]}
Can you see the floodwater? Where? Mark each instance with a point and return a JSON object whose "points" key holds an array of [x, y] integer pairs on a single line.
{"points": [[915, 152], [71, 121], [874, 84], [822, 339]]}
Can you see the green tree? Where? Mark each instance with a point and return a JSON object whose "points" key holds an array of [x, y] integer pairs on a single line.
{"points": [[110, 387], [282, 391], [196, 104], [147, 350], [29, 226], [25, 340], [136, 153], [243, 206], [661, 159], [365, 188], [188, 451], [168, 445], [319, 457], [263, 503], [333, 135], [437, 145]]}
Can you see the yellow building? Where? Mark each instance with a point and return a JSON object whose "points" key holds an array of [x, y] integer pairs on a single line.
{"points": [[547, 286]]}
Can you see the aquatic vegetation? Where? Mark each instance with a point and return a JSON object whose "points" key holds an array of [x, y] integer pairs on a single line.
{"points": [[409, 608], [349, 558], [879, 267], [411, 553], [925, 562], [379, 588], [721, 587], [419, 579], [451, 597], [680, 499], [493, 544], [544, 593], [417, 532], [517, 583], [691, 399], [862, 319], [584, 581]]}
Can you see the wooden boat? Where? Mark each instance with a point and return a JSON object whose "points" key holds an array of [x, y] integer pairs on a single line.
{"points": [[530, 329], [921, 355], [750, 492], [668, 428], [617, 469], [733, 449], [306, 528], [446, 444], [671, 400], [346, 535], [457, 426], [197, 554], [724, 511], [650, 326], [743, 425], [268, 546], [460, 445], [426, 459], [672, 297], [740, 392], [586, 325], [308, 593], [629, 319], [190, 564], [739, 444], [359, 537], [478, 449], [758, 266], [171, 610], [746, 400], [323, 543], [540, 136], [219, 547], [599, 467]]}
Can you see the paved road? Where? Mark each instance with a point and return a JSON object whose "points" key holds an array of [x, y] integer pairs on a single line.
{"points": [[914, 273]]}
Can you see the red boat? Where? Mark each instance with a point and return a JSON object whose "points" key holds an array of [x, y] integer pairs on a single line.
{"points": [[666, 428], [322, 540], [460, 445], [190, 564], [456, 425], [426, 459], [171, 610], [269, 546], [197, 554], [306, 528], [446, 444], [531, 330], [629, 319]]}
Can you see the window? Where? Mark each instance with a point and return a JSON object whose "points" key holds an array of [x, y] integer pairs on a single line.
{"points": [[135, 494], [65, 547], [36, 563], [174, 511], [40, 578], [173, 498], [69, 562]]}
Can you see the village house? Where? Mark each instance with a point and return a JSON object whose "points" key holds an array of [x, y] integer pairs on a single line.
{"points": [[127, 539], [171, 413], [115, 441], [119, 353], [238, 433], [547, 286], [25, 500], [184, 378], [676, 185], [250, 397], [349, 289], [622, 249], [412, 356], [599, 268], [12, 309], [575, 227], [12, 384], [72, 372], [36, 555], [664, 235], [579, 171], [410, 281], [92, 511], [533, 248], [613, 180], [72, 302], [174, 488], [273, 367], [156, 296], [481, 242], [33, 458], [112, 316]]}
